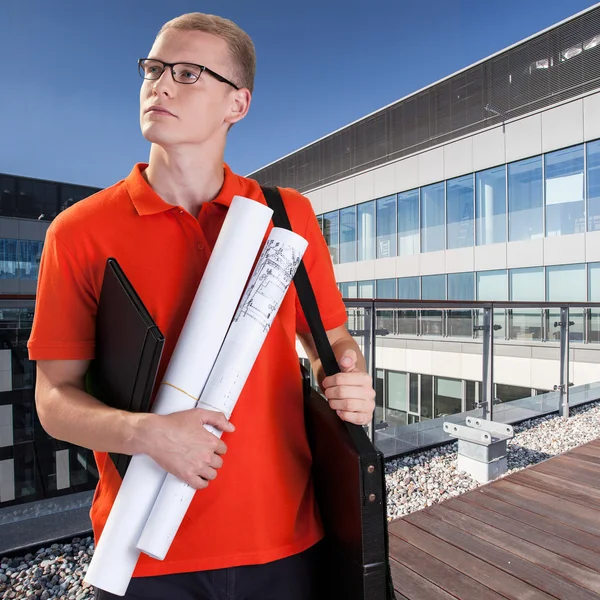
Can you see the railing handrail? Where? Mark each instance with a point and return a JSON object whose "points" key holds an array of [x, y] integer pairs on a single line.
{"points": [[463, 304]]}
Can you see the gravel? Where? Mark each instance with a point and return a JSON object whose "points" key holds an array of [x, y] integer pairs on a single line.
{"points": [[53, 572], [413, 482], [420, 480]]}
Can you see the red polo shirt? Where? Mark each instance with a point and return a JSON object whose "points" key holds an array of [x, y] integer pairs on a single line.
{"points": [[261, 506]]}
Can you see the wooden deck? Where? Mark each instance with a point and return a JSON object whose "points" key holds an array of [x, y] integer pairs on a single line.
{"points": [[534, 534]]}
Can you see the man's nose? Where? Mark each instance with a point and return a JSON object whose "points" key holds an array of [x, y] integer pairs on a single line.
{"points": [[164, 84]]}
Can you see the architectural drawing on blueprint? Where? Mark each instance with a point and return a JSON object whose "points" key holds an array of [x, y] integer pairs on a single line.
{"points": [[270, 281]]}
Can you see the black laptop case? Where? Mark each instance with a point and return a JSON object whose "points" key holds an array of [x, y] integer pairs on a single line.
{"points": [[129, 345]]}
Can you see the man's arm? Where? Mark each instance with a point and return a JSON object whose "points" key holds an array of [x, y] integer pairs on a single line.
{"points": [[350, 393], [177, 442]]}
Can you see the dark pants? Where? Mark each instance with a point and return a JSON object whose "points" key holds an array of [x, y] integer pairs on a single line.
{"points": [[293, 578]]}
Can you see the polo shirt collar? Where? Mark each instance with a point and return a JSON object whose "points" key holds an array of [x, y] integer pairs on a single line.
{"points": [[147, 202]]}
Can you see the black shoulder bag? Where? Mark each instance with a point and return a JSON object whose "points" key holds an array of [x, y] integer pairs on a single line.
{"points": [[348, 472]]}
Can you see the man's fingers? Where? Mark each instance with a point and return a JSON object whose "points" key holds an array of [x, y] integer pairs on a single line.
{"points": [[349, 391], [217, 419], [354, 417], [350, 404]]}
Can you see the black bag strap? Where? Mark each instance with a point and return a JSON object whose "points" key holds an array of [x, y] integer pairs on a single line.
{"points": [[310, 307], [304, 289]]}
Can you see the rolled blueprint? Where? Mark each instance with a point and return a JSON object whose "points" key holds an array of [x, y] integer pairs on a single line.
{"points": [[195, 353], [270, 281]]}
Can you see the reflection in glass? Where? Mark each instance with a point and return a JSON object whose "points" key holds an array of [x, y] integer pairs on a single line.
{"points": [[30, 253], [448, 396], [426, 397], [526, 285], [349, 289], [594, 296], [460, 206], [366, 230], [461, 286], [490, 206], [386, 227], [493, 285], [414, 393], [408, 223], [433, 287], [566, 283], [508, 393], [565, 203], [8, 259], [366, 289], [408, 289], [593, 185], [348, 234], [525, 200], [386, 290], [320, 222], [331, 234], [432, 218]]}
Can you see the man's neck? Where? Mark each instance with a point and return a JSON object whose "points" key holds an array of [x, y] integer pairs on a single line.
{"points": [[184, 178]]}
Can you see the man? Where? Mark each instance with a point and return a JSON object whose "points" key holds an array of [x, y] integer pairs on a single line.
{"points": [[253, 532]]}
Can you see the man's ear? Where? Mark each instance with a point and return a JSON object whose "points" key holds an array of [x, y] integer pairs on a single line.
{"points": [[240, 105]]}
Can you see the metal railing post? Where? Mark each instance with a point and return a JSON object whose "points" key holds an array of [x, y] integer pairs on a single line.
{"points": [[370, 344], [488, 364], [564, 324]]}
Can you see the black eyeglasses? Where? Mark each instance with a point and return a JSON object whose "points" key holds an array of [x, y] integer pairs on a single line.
{"points": [[187, 73]]}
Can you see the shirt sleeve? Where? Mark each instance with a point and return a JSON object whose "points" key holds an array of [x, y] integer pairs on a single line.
{"points": [[318, 266], [65, 312]]}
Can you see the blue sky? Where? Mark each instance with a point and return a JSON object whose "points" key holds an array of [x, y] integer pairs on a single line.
{"points": [[321, 65]]}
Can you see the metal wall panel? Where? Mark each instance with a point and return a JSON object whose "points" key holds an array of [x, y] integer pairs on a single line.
{"points": [[554, 66]]}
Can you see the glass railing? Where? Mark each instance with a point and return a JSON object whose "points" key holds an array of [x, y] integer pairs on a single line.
{"points": [[438, 361]]}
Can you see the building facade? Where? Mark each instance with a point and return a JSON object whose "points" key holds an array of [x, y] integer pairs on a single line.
{"points": [[33, 466], [483, 186]]}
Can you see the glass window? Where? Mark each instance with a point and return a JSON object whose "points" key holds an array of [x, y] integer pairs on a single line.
{"points": [[508, 393], [366, 231], [414, 393], [320, 222], [8, 259], [397, 392], [366, 289], [490, 206], [348, 234], [408, 223], [349, 289], [472, 394], [386, 289], [408, 288], [386, 227], [448, 396], [594, 282], [30, 252], [432, 218], [492, 285], [461, 286], [460, 207], [433, 287], [593, 185], [37, 199], [8, 196], [426, 396], [566, 283], [527, 285], [331, 234], [565, 204], [69, 194], [525, 200]]}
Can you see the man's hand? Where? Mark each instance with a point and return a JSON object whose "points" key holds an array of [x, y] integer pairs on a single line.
{"points": [[350, 393], [180, 444]]}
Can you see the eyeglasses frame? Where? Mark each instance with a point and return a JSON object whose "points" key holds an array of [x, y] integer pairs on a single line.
{"points": [[172, 65]]}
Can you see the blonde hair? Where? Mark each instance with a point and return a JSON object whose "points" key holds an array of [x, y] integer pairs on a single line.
{"points": [[240, 45]]}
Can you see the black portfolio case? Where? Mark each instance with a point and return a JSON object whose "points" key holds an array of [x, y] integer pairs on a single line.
{"points": [[348, 473], [128, 349]]}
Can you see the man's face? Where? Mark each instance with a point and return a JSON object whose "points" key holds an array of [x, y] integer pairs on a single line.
{"points": [[188, 113]]}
